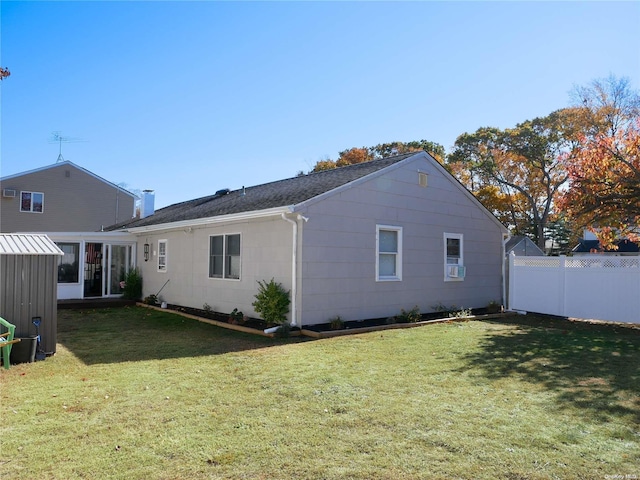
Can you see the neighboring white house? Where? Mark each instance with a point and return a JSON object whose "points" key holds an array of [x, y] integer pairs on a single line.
{"points": [[361, 241]]}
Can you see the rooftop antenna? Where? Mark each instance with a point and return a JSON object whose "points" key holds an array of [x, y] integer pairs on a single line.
{"points": [[57, 137]]}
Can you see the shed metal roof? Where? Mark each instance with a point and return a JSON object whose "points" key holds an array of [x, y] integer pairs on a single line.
{"points": [[27, 244]]}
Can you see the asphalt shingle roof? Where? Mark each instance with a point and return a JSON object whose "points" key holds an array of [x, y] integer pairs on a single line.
{"points": [[291, 191]]}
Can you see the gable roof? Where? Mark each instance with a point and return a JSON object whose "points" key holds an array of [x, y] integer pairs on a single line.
{"points": [[588, 246], [278, 197], [27, 244], [514, 241], [67, 163], [282, 193]]}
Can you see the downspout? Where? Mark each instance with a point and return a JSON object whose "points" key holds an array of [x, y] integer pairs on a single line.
{"points": [[505, 238], [294, 267]]}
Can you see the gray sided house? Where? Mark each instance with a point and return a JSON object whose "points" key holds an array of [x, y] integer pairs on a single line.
{"points": [[362, 241], [62, 197]]}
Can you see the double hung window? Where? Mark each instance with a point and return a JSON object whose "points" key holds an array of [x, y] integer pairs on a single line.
{"points": [[388, 253], [224, 256]]}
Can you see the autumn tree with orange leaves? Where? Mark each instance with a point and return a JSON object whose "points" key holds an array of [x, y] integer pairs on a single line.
{"points": [[4, 73], [604, 167], [356, 155]]}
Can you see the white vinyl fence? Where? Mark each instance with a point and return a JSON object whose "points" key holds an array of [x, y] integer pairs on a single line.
{"points": [[591, 287]]}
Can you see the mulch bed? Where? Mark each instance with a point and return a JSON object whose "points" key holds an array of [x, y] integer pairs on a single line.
{"points": [[249, 322], [260, 325]]}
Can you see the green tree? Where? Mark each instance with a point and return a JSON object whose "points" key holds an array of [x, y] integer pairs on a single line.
{"points": [[526, 164]]}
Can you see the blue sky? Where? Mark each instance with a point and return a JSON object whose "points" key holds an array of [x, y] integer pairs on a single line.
{"points": [[186, 98]]}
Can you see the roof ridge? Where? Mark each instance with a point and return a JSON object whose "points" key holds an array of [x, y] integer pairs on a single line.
{"points": [[278, 193]]}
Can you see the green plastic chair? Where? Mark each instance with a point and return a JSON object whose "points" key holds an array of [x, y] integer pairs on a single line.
{"points": [[6, 341]]}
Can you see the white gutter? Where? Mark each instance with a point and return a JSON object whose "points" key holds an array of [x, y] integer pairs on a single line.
{"points": [[505, 238], [294, 267], [234, 217]]}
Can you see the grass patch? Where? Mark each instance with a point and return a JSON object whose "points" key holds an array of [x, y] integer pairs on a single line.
{"points": [[137, 394]]}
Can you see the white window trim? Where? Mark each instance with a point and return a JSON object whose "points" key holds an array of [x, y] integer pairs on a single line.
{"points": [[32, 193], [59, 244], [460, 237], [224, 254], [398, 276], [166, 256]]}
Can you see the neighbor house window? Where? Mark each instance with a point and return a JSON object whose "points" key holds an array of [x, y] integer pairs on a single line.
{"points": [[68, 263], [31, 202], [224, 256], [162, 255], [453, 257], [388, 253]]}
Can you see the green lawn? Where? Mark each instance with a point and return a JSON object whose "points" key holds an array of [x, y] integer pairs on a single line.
{"points": [[139, 394]]}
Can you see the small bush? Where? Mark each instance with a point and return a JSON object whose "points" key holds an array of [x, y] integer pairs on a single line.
{"points": [[411, 316], [236, 317], [151, 300], [463, 312], [207, 308], [132, 285], [337, 323], [272, 302]]}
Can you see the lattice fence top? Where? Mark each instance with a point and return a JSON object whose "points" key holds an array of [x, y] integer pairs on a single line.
{"points": [[596, 261], [604, 262], [537, 262]]}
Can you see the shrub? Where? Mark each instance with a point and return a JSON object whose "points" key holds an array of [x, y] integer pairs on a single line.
{"points": [[132, 285], [411, 316], [337, 323], [272, 302], [462, 313], [151, 300], [236, 317]]}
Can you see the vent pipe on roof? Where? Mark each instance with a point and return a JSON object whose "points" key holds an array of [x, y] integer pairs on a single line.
{"points": [[147, 206]]}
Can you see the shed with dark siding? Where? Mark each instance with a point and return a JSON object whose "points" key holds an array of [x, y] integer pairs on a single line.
{"points": [[29, 285]]}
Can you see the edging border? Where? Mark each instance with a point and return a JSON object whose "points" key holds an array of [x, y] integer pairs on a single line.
{"points": [[392, 326], [330, 333], [228, 326]]}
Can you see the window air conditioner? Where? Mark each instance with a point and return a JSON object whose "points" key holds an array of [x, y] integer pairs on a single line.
{"points": [[456, 271], [9, 193]]}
